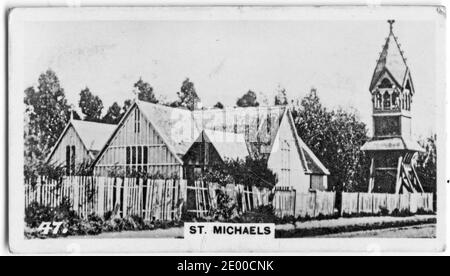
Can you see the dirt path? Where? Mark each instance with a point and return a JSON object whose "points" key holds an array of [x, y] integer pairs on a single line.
{"points": [[171, 233], [419, 231]]}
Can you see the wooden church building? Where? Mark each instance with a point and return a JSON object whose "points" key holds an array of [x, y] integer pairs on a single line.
{"points": [[79, 144], [165, 142], [392, 149]]}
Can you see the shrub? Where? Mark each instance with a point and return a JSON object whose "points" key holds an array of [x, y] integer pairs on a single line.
{"points": [[93, 224], [225, 209], [263, 214], [35, 214], [384, 211], [402, 213]]}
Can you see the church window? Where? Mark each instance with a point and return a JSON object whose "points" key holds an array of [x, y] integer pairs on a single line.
{"points": [[70, 160], [395, 99], [386, 100], [379, 100], [403, 101], [269, 123], [408, 85], [385, 83], [137, 121], [408, 102]]}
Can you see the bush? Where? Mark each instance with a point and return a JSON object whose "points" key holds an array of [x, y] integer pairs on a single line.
{"points": [[35, 214], [226, 207], [263, 214]]}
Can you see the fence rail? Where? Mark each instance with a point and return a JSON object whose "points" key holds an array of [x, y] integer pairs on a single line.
{"points": [[289, 203], [202, 197], [166, 199], [373, 203], [149, 199]]}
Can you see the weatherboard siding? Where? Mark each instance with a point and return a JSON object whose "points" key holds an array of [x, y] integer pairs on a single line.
{"points": [[296, 177], [136, 131], [70, 138]]}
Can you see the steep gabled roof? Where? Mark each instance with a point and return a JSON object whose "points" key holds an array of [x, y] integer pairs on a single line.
{"points": [[253, 128], [392, 60], [311, 163], [92, 135], [175, 125], [259, 125], [229, 145]]}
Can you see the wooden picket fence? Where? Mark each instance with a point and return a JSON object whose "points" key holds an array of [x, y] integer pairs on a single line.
{"points": [[288, 203], [203, 197], [167, 199], [149, 199], [374, 203]]}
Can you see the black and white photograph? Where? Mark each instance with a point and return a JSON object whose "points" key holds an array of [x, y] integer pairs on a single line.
{"points": [[227, 129]]}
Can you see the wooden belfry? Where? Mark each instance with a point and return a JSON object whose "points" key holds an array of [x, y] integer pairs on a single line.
{"points": [[391, 149]]}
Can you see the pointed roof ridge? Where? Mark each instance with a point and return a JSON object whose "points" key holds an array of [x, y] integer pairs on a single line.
{"points": [[93, 134], [391, 59]]}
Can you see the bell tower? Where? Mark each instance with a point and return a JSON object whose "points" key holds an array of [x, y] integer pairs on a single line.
{"points": [[391, 148]]}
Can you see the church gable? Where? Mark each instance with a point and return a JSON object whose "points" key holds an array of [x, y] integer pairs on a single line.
{"points": [[69, 150], [137, 146]]}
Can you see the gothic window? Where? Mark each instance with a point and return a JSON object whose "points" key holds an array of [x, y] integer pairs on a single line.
{"points": [[137, 159], [269, 123], [408, 85], [137, 121], [385, 83], [378, 100], [395, 99], [386, 100], [403, 101], [128, 159], [70, 160], [133, 158], [408, 102]]}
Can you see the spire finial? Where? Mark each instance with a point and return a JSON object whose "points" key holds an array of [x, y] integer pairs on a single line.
{"points": [[391, 23], [72, 107]]}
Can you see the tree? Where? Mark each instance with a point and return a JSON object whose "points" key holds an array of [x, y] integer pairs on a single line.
{"points": [[248, 99], [91, 106], [426, 164], [253, 171], [219, 105], [336, 138], [187, 96], [113, 115], [46, 115], [145, 91], [126, 106], [281, 97]]}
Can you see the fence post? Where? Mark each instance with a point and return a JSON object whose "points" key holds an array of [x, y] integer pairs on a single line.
{"points": [[315, 203]]}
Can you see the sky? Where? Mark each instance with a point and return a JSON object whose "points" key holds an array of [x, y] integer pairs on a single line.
{"points": [[225, 59]]}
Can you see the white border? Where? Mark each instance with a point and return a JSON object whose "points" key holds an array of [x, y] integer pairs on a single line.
{"points": [[288, 246]]}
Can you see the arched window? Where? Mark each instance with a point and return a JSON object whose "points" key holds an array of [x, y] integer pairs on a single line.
{"points": [[395, 99], [408, 102], [403, 100], [385, 83], [386, 100], [408, 85], [378, 101]]}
